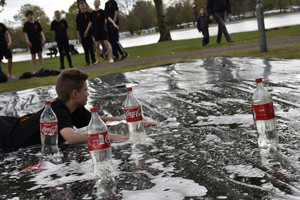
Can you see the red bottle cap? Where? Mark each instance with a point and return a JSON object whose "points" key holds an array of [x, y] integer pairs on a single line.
{"points": [[258, 80], [95, 109], [129, 89], [47, 102]]}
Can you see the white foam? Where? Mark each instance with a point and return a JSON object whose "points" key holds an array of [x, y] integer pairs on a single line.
{"points": [[167, 188], [245, 171]]}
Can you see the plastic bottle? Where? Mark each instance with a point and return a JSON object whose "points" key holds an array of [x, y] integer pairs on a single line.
{"points": [[264, 117], [99, 146], [134, 117], [49, 130]]}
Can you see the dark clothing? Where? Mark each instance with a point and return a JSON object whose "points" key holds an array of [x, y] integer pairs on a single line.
{"points": [[98, 19], [3, 43], [111, 7], [62, 40], [60, 28], [219, 17], [88, 47], [4, 51], [25, 131], [202, 26], [218, 6], [33, 31], [82, 21]]}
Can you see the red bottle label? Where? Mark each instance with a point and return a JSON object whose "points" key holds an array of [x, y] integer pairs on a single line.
{"points": [[49, 128], [134, 115], [98, 141], [263, 111]]}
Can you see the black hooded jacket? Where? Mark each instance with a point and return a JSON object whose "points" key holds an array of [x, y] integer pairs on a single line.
{"points": [[218, 6]]}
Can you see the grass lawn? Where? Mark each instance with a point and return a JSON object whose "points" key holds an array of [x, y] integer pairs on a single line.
{"points": [[161, 48]]}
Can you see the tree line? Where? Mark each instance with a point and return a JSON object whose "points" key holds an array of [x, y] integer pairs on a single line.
{"points": [[136, 15]]}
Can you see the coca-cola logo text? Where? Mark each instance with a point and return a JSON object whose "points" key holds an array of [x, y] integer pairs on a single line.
{"points": [[133, 115], [49, 129]]}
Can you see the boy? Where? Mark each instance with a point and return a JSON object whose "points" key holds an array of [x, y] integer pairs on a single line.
{"points": [[111, 7], [82, 21], [202, 25], [60, 27], [98, 17], [35, 39], [5, 49], [72, 92]]}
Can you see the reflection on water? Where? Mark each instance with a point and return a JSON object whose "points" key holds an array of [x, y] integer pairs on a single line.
{"points": [[204, 147]]}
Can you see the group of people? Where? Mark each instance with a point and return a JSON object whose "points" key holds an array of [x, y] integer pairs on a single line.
{"points": [[215, 10], [100, 26]]}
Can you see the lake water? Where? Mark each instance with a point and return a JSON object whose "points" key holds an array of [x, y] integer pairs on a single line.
{"points": [[190, 33]]}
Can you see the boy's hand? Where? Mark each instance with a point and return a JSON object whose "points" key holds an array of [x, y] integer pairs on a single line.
{"points": [[116, 26], [43, 42], [150, 124], [9, 45], [29, 44]]}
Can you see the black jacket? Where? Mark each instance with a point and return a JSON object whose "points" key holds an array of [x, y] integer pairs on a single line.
{"points": [[218, 6]]}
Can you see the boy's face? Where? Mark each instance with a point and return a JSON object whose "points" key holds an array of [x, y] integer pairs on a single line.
{"points": [[202, 11], [82, 95], [30, 17], [97, 4], [57, 15], [82, 7]]}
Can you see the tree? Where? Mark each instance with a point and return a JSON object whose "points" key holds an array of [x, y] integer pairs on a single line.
{"points": [[130, 23], [144, 11], [186, 13], [171, 16], [2, 3], [70, 18], [162, 24]]}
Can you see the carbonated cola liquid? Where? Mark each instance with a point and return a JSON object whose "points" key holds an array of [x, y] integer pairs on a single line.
{"points": [[264, 117], [134, 117], [99, 146], [49, 130]]}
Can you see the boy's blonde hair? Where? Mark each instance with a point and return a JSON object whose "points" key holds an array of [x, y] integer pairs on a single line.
{"points": [[67, 81]]}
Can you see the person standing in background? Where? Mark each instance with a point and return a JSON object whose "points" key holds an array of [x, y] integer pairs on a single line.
{"points": [[98, 19], [82, 21], [216, 10], [202, 25], [111, 7], [60, 27], [35, 39], [5, 46]]}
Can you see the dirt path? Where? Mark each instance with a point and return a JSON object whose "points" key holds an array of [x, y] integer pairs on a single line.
{"points": [[286, 41]]}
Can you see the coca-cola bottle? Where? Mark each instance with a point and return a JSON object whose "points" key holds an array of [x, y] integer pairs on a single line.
{"points": [[99, 146], [264, 117], [134, 117], [49, 130]]}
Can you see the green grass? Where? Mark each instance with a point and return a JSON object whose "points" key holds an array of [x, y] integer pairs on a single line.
{"points": [[161, 48]]}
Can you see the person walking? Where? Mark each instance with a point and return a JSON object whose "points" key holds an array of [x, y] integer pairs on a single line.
{"points": [[60, 27], [202, 25], [216, 10], [35, 39], [111, 7], [98, 18], [5, 46], [82, 21]]}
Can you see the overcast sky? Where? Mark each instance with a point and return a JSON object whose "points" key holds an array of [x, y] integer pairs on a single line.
{"points": [[13, 6]]}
